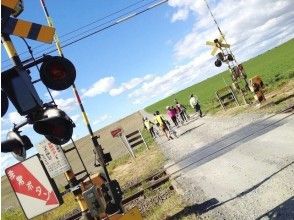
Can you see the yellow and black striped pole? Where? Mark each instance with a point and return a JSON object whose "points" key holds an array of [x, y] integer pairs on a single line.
{"points": [[70, 176], [10, 50], [86, 120], [97, 147]]}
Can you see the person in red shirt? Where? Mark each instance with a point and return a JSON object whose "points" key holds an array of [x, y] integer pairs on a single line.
{"points": [[172, 113]]}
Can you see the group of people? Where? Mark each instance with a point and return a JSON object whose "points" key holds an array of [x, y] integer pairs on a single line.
{"points": [[176, 113], [161, 122]]}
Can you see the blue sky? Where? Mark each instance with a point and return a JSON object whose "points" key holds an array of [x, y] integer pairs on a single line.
{"points": [[133, 64]]}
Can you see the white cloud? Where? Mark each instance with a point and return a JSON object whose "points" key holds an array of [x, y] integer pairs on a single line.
{"points": [[4, 133], [53, 93], [7, 160], [101, 119], [117, 91], [131, 84], [250, 34], [75, 117], [101, 86], [180, 15], [66, 104], [173, 80], [262, 25], [15, 118]]}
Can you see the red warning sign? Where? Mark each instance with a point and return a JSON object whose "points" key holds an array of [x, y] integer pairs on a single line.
{"points": [[117, 132], [32, 187]]}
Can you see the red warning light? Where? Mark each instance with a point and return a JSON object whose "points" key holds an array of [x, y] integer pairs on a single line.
{"points": [[57, 73]]}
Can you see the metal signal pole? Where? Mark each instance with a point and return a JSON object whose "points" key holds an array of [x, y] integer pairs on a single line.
{"points": [[230, 51], [97, 146]]}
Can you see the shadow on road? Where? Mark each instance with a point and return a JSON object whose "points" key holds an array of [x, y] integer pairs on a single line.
{"points": [[283, 211], [191, 129]]}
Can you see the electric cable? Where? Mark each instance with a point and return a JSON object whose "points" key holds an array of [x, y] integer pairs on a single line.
{"points": [[84, 26], [115, 20], [80, 28], [109, 26]]}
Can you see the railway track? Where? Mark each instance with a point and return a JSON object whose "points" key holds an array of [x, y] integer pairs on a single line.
{"points": [[149, 183]]}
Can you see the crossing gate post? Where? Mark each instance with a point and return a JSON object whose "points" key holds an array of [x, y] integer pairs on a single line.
{"points": [[127, 145], [143, 140]]}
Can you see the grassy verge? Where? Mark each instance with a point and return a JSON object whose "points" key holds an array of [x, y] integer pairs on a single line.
{"points": [[276, 67], [171, 209], [128, 170]]}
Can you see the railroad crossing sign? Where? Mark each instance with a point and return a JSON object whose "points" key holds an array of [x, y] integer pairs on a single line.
{"points": [[53, 158], [20, 27], [36, 192], [217, 44], [29, 30], [116, 132]]}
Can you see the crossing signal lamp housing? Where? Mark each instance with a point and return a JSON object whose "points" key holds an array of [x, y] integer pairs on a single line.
{"points": [[57, 73], [16, 144], [17, 86], [218, 63], [221, 57], [4, 103], [55, 125]]}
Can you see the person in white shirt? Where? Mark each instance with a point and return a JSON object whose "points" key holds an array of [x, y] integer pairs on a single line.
{"points": [[195, 104]]}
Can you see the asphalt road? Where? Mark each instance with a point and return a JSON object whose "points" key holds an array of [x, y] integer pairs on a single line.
{"points": [[235, 168]]}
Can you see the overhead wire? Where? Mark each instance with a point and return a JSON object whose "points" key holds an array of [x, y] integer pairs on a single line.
{"points": [[126, 16], [111, 25], [84, 26], [95, 28]]}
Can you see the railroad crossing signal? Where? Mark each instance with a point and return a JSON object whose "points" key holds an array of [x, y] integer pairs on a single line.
{"points": [[217, 44], [57, 73], [17, 145], [17, 85], [55, 125], [29, 30], [20, 27], [4, 103], [10, 7]]}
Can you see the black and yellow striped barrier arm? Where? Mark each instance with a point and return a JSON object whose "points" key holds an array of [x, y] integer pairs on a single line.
{"points": [[11, 5], [29, 30]]}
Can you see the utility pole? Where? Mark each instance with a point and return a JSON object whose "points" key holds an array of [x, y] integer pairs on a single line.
{"points": [[97, 147], [227, 50]]}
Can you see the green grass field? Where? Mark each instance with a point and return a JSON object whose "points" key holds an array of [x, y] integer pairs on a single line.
{"points": [[274, 67]]}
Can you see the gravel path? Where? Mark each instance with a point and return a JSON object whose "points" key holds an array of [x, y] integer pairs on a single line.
{"points": [[235, 168]]}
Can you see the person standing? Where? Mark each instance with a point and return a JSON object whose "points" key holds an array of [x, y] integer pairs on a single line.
{"points": [[149, 126], [162, 123], [195, 104], [181, 110], [171, 112]]}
